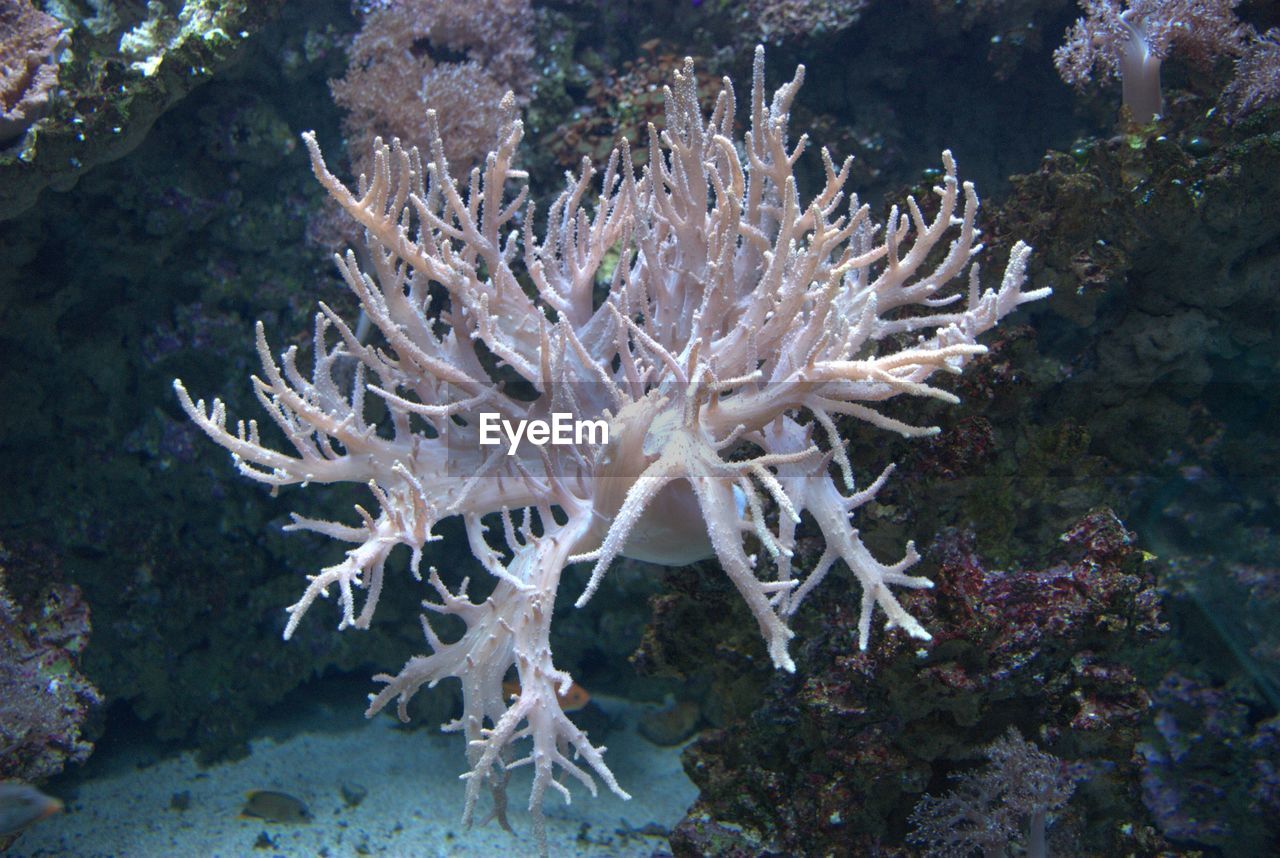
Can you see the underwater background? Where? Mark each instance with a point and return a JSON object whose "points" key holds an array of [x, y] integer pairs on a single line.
{"points": [[1099, 514]]}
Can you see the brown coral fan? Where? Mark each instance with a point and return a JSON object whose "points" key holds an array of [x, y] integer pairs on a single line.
{"points": [[30, 42]]}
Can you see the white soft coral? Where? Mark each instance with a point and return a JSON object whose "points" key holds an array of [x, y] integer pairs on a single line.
{"points": [[715, 323]]}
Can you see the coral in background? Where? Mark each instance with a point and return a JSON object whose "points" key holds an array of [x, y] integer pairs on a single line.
{"points": [[1176, 230], [457, 59], [125, 68], [837, 755], [1162, 246], [1009, 801], [30, 42], [1163, 251], [1132, 41], [1257, 78], [44, 699]]}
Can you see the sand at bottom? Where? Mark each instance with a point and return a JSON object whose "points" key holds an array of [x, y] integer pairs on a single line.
{"points": [[412, 807]]}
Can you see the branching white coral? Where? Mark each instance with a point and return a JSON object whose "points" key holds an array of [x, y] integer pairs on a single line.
{"points": [[715, 323]]}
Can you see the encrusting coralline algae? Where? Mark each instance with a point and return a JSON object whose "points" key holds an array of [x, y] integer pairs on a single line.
{"points": [[715, 325]]}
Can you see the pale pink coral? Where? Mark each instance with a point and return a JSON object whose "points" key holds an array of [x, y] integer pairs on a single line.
{"points": [[1010, 801], [457, 59], [1132, 40], [714, 323], [1257, 77]]}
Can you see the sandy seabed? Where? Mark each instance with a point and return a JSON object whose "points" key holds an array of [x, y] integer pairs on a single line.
{"points": [[134, 802]]}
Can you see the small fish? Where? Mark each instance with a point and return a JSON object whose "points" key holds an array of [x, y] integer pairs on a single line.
{"points": [[571, 702], [274, 806], [21, 805]]}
